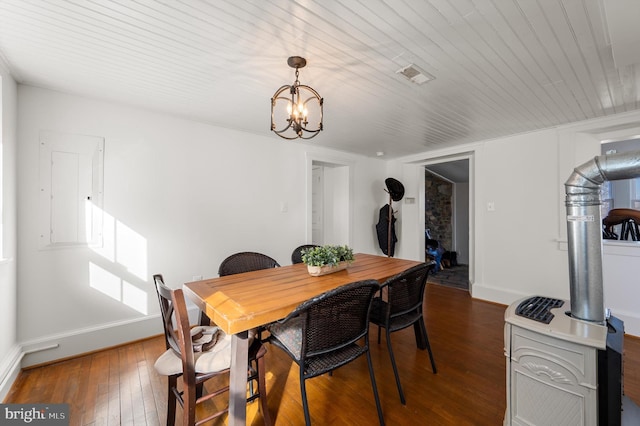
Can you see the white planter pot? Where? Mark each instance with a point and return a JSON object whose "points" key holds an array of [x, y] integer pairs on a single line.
{"points": [[316, 271]]}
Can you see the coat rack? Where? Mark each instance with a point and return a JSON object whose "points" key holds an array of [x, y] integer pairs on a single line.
{"points": [[396, 192]]}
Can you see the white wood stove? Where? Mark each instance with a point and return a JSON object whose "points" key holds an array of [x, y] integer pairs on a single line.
{"points": [[561, 370], [551, 366]]}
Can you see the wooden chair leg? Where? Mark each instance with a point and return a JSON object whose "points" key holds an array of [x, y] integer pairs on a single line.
{"points": [[199, 390], [171, 400], [262, 390], [189, 407]]}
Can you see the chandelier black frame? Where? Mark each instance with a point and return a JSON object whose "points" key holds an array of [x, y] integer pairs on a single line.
{"points": [[297, 97]]}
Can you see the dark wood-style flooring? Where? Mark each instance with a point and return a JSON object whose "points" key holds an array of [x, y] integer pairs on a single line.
{"points": [[119, 386]]}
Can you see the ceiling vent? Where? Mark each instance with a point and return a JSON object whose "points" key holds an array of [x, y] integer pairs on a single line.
{"points": [[415, 74]]}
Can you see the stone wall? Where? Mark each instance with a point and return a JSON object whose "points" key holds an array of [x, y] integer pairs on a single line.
{"points": [[438, 209]]}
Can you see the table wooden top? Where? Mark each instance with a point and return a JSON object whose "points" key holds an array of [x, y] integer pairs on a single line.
{"points": [[240, 302]]}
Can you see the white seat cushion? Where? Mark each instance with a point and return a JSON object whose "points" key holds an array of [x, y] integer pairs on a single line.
{"points": [[217, 358], [168, 364]]}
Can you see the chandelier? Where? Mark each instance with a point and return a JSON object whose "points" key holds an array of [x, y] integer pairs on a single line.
{"points": [[296, 110]]}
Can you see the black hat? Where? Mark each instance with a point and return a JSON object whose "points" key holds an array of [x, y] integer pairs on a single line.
{"points": [[395, 188]]}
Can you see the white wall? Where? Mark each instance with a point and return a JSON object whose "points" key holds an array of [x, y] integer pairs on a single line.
{"points": [[9, 349], [520, 249], [179, 197], [461, 221]]}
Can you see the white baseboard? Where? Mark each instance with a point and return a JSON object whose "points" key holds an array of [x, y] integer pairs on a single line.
{"points": [[9, 369], [85, 340], [495, 294], [76, 342]]}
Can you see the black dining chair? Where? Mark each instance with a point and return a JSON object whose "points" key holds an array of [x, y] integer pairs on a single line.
{"points": [[197, 355], [328, 331], [403, 307], [246, 261], [296, 255], [239, 263]]}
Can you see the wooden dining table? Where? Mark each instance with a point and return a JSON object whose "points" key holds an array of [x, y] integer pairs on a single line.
{"points": [[238, 303]]}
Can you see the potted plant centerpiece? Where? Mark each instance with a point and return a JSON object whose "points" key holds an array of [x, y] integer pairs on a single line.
{"points": [[327, 259]]}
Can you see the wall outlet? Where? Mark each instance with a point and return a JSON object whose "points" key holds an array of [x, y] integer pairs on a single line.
{"points": [[196, 278]]}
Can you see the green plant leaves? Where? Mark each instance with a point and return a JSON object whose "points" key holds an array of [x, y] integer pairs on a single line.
{"points": [[327, 255]]}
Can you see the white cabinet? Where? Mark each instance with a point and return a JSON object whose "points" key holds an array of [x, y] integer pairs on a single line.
{"points": [[71, 190]]}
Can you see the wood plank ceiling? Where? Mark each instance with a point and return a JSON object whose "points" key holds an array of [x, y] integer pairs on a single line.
{"points": [[501, 67]]}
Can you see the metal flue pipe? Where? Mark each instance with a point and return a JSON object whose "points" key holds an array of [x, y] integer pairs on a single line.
{"points": [[584, 229]]}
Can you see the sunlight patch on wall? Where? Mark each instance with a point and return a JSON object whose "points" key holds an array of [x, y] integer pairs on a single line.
{"points": [[104, 281], [118, 289], [126, 250], [108, 249], [134, 297], [131, 250], [124, 246]]}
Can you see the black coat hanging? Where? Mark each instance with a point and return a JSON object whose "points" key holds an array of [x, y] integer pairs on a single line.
{"points": [[382, 230], [387, 242]]}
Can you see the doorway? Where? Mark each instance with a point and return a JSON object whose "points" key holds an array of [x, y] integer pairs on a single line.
{"points": [[329, 217], [447, 217]]}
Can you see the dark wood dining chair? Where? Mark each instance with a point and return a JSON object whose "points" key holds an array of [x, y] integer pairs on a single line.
{"points": [[327, 332], [403, 307], [296, 255], [246, 261], [197, 355]]}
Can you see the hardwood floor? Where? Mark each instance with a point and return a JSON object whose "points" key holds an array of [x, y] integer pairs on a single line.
{"points": [[120, 386]]}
